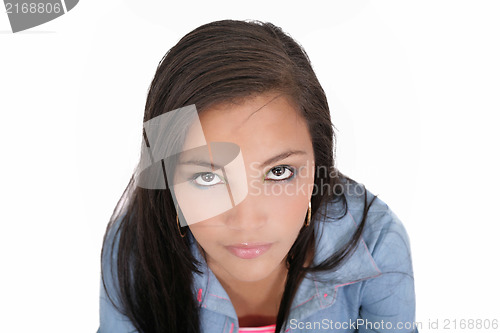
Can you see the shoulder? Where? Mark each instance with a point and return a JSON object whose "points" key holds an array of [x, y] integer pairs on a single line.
{"points": [[112, 316], [381, 261], [384, 236], [109, 258]]}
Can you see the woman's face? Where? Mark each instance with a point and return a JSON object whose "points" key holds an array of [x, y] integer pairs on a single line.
{"points": [[261, 200]]}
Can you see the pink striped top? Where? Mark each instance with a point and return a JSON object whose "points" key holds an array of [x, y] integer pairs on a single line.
{"points": [[261, 329]]}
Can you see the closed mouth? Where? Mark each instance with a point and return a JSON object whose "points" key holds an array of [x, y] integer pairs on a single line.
{"points": [[248, 250]]}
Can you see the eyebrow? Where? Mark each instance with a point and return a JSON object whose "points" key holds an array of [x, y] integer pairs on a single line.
{"points": [[282, 156], [203, 163], [271, 160]]}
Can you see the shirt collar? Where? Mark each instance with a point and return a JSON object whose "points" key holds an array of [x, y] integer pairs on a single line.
{"points": [[319, 290]]}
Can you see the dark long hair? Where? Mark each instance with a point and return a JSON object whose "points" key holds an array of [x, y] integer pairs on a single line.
{"points": [[218, 62]]}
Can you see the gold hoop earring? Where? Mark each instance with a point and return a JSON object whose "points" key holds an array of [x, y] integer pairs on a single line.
{"points": [[308, 215], [179, 227]]}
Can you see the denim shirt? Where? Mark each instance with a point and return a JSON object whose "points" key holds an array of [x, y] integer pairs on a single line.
{"points": [[372, 291]]}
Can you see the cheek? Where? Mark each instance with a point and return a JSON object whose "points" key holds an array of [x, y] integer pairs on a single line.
{"points": [[199, 204], [206, 235], [290, 199], [288, 214]]}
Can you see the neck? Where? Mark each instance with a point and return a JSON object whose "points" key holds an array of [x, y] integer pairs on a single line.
{"points": [[256, 302]]}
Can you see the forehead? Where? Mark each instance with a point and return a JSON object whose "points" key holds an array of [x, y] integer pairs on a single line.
{"points": [[262, 121]]}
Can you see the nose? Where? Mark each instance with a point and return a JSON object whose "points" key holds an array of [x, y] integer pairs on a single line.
{"points": [[248, 215]]}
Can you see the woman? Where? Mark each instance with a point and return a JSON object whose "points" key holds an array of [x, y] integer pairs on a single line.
{"points": [[237, 219]]}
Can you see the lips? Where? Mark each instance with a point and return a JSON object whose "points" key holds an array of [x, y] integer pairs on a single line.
{"points": [[248, 250]]}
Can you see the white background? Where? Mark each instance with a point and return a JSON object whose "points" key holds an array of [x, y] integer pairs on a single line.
{"points": [[414, 92]]}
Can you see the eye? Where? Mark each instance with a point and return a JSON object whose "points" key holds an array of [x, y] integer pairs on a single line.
{"points": [[207, 179], [280, 173]]}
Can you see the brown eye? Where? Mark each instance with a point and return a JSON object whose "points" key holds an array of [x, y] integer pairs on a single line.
{"points": [[280, 173]]}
